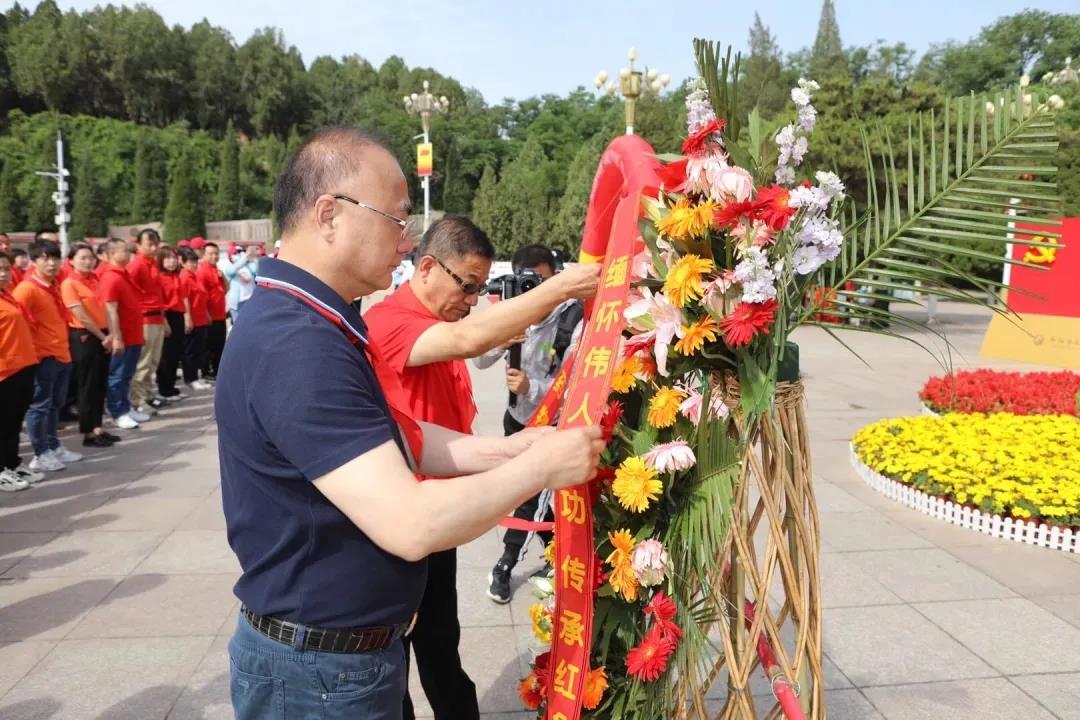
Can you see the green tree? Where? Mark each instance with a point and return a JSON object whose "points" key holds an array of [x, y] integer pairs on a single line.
{"points": [[215, 84], [88, 214], [827, 56], [148, 200], [272, 83], [485, 203], [11, 216], [227, 200], [184, 213], [569, 222], [336, 88], [763, 84], [523, 201]]}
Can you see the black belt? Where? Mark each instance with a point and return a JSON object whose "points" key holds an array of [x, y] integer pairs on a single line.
{"points": [[154, 313], [347, 640]]}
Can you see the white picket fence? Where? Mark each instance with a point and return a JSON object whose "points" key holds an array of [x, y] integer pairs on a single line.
{"points": [[990, 524]]}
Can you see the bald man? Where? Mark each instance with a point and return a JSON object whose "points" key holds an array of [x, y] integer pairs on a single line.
{"points": [[324, 512]]}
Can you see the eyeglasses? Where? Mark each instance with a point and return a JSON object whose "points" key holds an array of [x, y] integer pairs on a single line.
{"points": [[467, 288], [406, 225]]}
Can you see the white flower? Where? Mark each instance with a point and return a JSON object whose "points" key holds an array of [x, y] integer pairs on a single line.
{"points": [[807, 118], [798, 151], [785, 175], [756, 276], [672, 456], [728, 183], [650, 562], [800, 97], [808, 85], [701, 170], [699, 111], [807, 259], [659, 320], [830, 184]]}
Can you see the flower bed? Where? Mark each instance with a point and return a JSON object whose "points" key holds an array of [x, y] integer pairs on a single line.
{"points": [[1004, 464], [989, 391]]}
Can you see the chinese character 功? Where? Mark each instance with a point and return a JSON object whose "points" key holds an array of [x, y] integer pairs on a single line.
{"points": [[573, 506]]}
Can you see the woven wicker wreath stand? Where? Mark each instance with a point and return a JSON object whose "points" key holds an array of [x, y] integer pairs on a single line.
{"points": [[773, 545]]}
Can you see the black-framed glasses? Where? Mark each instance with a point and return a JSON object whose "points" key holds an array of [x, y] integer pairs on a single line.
{"points": [[466, 287], [406, 226]]}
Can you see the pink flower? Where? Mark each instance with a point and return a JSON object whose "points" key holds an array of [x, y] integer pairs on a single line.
{"points": [[650, 562], [691, 406], [756, 234], [701, 169], [729, 183], [713, 298], [672, 456], [641, 266], [655, 319]]}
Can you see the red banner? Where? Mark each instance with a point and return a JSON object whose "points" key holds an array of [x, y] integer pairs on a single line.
{"points": [[1056, 285], [627, 170]]}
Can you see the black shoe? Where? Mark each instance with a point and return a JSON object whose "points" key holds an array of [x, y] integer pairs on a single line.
{"points": [[546, 571], [98, 441], [499, 582], [155, 403], [110, 437]]}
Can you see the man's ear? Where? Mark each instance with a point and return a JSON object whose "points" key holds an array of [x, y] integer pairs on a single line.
{"points": [[326, 209], [425, 265]]}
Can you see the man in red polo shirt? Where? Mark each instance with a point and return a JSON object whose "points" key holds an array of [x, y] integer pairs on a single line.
{"points": [[214, 284], [123, 309], [423, 334], [144, 274]]}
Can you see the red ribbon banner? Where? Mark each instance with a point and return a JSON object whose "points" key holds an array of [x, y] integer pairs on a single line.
{"points": [[628, 169]]}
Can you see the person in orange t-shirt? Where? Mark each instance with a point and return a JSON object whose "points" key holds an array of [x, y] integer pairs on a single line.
{"points": [[177, 317], [194, 341], [216, 286], [123, 310], [90, 344], [18, 365], [143, 271], [39, 293], [20, 266]]}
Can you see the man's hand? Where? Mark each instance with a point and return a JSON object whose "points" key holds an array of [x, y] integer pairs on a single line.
{"points": [[519, 442], [567, 457], [168, 330], [517, 381], [189, 324], [117, 345], [579, 282]]}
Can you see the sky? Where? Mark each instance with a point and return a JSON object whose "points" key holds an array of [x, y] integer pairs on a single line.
{"points": [[507, 49]]}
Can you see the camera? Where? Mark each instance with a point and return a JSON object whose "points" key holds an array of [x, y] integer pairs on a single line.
{"points": [[510, 286]]}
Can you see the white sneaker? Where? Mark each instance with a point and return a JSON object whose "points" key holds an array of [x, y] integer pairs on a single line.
{"points": [[126, 422], [66, 456], [28, 475], [138, 416], [11, 482], [146, 410], [201, 385], [46, 463]]}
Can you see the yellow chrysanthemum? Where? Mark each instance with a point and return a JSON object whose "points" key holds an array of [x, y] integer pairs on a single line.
{"points": [[684, 279], [622, 577], [685, 220], [549, 553], [623, 379], [541, 623], [636, 484], [695, 335], [664, 407]]}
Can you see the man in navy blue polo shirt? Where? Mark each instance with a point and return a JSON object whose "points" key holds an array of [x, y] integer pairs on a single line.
{"points": [[323, 510]]}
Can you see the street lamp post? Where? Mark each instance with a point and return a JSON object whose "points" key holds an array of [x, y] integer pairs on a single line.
{"points": [[632, 85], [424, 104], [60, 196]]}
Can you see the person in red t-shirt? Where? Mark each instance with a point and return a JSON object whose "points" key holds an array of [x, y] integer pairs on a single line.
{"points": [[20, 267], [422, 333], [216, 286], [123, 310], [194, 341], [177, 317], [143, 271]]}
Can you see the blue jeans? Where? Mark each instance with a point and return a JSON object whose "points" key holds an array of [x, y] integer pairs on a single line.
{"points": [[121, 370], [50, 392], [268, 679]]}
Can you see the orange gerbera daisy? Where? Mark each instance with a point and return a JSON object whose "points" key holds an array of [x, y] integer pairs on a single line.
{"points": [[531, 691], [622, 577], [595, 685], [664, 407], [623, 380], [684, 279], [695, 335], [686, 221], [636, 484]]}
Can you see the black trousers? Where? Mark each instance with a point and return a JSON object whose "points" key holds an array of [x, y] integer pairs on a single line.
{"points": [[514, 540], [171, 353], [435, 640], [193, 348], [215, 345], [90, 375], [16, 392]]}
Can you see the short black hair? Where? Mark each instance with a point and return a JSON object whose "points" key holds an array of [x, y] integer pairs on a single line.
{"points": [[327, 157], [115, 243], [102, 248], [532, 256], [4, 255], [209, 245], [39, 235], [74, 249], [148, 231], [17, 252], [187, 254], [455, 236], [43, 248]]}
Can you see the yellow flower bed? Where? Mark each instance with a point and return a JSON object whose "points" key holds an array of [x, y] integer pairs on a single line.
{"points": [[1024, 466]]}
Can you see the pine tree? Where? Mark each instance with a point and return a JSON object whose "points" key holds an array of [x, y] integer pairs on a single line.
{"points": [[570, 220], [827, 59], [148, 201], [763, 85], [88, 214], [522, 202], [485, 202], [184, 213], [11, 217], [227, 200]]}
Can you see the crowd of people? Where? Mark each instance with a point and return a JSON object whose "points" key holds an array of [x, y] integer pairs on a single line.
{"points": [[105, 334]]}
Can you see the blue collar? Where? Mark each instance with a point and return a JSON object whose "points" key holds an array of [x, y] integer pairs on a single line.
{"points": [[286, 276]]}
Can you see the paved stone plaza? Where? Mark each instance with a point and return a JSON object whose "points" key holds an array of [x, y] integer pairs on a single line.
{"points": [[116, 601]]}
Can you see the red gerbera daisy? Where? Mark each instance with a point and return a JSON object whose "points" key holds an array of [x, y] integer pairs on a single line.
{"points": [[611, 418], [771, 206], [746, 321], [698, 143], [731, 214], [663, 610], [531, 692], [673, 176], [648, 660]]}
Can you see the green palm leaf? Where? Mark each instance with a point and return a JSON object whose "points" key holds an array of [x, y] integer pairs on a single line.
{"points": [[951, 189]]}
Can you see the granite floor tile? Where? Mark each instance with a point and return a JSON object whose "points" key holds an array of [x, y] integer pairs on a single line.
{"points": [[925, 575], [988, 699]]}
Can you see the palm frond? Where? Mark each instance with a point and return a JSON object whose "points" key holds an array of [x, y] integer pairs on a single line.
{"points": [[950, 189]]}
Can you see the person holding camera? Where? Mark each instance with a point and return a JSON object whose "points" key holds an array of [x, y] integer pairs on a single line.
{"points": [[424, 332], [532, 363]]}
